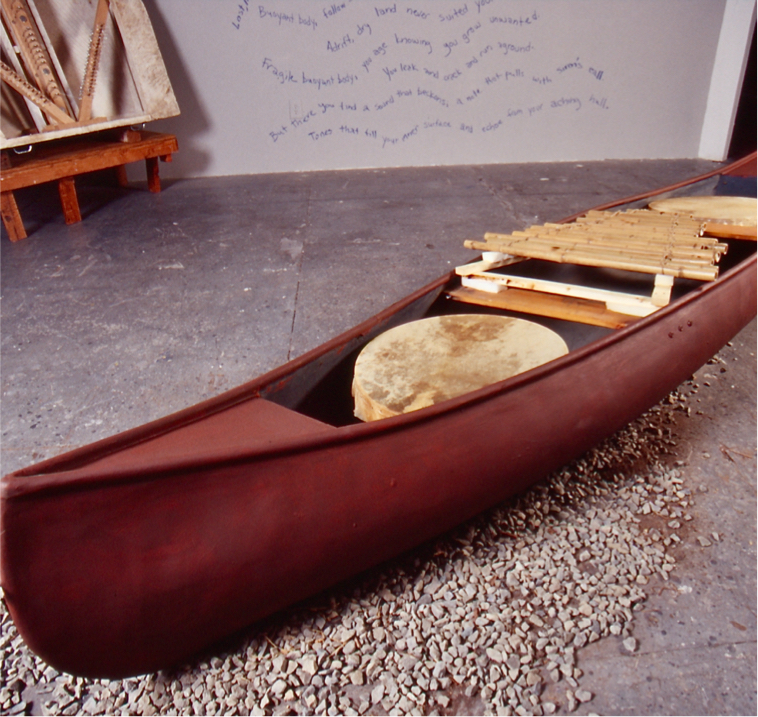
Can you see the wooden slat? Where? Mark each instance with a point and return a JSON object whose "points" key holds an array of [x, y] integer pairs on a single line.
{"points": [[93, 61], [631, 304], [551, 306], [31, 93], [487, 265]]}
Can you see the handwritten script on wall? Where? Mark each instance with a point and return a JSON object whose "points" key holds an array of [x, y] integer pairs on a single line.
{"points": [[329, 84], [389, 75]]}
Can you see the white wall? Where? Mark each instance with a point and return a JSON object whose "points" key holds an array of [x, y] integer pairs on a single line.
{"points": [[726, 81], [287, 85]]}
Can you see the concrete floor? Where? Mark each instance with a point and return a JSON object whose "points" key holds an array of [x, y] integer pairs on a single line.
{"points": [[155, 302]]}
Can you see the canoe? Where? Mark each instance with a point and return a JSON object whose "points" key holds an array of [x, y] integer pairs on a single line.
{"points": [[134, 553]]}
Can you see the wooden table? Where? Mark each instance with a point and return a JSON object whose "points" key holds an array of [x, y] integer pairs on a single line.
{"points": [[61, 161]]}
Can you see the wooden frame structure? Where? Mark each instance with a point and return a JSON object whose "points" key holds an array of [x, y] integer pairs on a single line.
{"points": [[75, 74], [666, 246], [62, 162]]}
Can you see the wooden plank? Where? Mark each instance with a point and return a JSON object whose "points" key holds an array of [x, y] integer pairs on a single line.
{"points": [[548, 305], [144, 58], [632, 303], [85, 157]]}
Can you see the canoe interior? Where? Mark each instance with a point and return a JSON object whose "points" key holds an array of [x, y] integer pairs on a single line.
{"points": [[329, 398]]}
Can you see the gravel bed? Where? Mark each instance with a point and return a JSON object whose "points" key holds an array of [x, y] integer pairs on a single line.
{"points": [[480, 621]]}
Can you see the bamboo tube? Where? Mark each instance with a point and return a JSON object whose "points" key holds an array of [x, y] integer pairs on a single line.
{"points": [[649, 266], [640, 215], [522, 246], [634, 220], [615, 237], [620, 239], [708, 254], [646, 223], [633, 230], [652, 230]]}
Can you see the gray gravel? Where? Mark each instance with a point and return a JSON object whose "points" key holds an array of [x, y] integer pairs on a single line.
{"points": [[481, 621]]}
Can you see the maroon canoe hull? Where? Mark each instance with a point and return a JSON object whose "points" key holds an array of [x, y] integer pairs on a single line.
{"points": [[134, 562]]}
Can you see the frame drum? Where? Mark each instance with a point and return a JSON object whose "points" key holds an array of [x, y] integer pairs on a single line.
{"points": [[424, 362]]}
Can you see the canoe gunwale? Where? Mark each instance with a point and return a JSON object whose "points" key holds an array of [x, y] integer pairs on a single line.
{"points": [[53, 474]]}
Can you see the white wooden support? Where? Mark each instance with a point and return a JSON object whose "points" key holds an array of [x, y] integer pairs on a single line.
{"points": [[662, 289]]}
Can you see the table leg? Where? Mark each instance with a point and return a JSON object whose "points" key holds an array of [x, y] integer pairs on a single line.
{"points": [[121, 178], [153, 177], [69, 202], [11, 217]]}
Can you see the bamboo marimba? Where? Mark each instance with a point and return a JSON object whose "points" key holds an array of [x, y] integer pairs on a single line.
{"points": [[664, 245]]}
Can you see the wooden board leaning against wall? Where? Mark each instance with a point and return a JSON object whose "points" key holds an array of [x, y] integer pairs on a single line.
{"points": [[71, 67]]}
